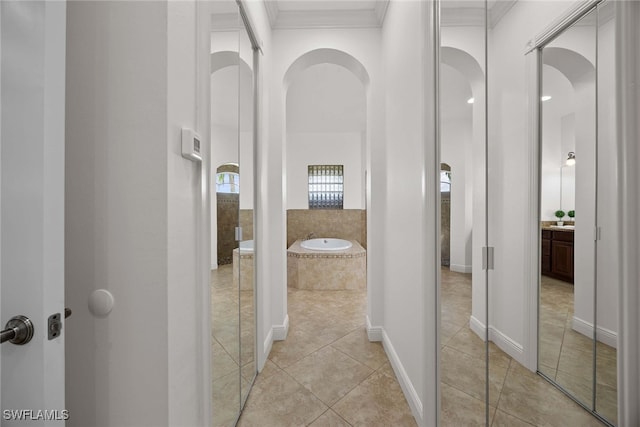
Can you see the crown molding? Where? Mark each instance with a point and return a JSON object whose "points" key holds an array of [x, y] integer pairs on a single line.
{"points": [[381, 10], [272, 11], [289, 19], [475, 16], [499, 10]]}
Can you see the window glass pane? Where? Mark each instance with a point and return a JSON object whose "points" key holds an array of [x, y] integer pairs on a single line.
{"points": [[326, 186], [228, 182]]}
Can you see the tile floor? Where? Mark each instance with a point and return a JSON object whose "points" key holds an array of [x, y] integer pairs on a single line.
{"points": [[517, 397], [566, 356], [327, 373], [233, 333]]}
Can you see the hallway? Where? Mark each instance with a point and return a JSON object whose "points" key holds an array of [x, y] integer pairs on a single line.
{"points": [[326, 373]]}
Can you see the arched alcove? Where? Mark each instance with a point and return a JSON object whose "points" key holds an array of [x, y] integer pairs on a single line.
{"points": [[326, 94], [325, 56], [462, 143]]}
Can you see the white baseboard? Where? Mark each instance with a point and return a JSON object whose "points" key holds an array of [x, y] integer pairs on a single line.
{"points": [[603, 335], [504, 342], [477, 327], [405, 383], [280, 331], [374, 332], [268, 343], [458, 268]]}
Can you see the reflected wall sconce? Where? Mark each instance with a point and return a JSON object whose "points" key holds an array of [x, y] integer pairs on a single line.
{"points": [[571, 159]]}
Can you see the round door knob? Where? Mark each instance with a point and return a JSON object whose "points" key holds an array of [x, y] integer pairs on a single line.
{"points": [[22, 328]]}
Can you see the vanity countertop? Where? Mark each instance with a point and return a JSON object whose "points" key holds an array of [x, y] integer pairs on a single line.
{"points": [[551, 225], [557, 228]]}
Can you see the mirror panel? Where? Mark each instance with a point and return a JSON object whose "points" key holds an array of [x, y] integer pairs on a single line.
{"points": [[578, 147], [607, 249], [464, 368], [244, 255], [225, 204], [567, 285]]}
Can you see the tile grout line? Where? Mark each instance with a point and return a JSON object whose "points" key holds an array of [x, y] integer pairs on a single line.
{"points": [[500, 394]]}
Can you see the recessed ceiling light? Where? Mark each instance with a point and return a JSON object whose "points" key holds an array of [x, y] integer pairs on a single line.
{"points": [[545, 98], [470, 101]]}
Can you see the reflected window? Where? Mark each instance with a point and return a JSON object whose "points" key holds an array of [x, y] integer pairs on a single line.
{"points": [[228, 182], [326, 186], [445, 181]]}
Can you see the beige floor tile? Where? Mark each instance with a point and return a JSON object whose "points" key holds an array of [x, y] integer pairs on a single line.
{"points": [[470, 343], [269, 369], [298, 344], [581, 387], [447, 331], [607, 402], [502, 419], [226, 399], [576, 363], [467, 373], [222, 363], [357, 345], [330, 419], [460, 409], [530, 398], [329, 374], [378, 401], [387, 369], [280, 401]]}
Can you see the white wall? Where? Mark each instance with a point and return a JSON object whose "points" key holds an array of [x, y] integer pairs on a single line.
{"points": [[508, 156], [409, 264], [135, 212], [327, 148], [187, 205], [326, 124]]}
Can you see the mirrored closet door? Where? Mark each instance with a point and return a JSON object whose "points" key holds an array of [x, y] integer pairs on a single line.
{"points": [[232, 214], [579, 260], [463, 233], [528, 205]]}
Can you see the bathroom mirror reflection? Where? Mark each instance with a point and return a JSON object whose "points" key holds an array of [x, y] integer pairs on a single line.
{"points": [[463, 212], [244, 255], [568, 104], [578, 283], [232, 249]]}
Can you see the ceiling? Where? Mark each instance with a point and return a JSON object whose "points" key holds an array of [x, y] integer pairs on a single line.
{"points": [[290, 14]]}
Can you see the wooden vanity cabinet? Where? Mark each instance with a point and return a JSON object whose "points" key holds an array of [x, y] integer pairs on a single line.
{"points": [[557, 254]]}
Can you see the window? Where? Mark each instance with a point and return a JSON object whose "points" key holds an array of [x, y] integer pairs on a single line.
{"points": [[228, 182], [326, 186], [445, 181]]}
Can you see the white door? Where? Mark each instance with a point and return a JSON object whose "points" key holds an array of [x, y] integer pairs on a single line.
{"points": [[32, 92]]}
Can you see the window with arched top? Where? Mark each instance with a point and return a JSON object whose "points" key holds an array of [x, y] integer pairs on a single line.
{"points": [[228, 179], [445, 178]]}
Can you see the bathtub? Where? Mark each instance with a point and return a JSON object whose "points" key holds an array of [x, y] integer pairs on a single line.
{"points": [[327, 269], [328, 244]]}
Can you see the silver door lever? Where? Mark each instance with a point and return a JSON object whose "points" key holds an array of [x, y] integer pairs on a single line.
{"points": [[18, 330]]}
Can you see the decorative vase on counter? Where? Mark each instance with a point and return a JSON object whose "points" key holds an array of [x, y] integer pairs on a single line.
{"points": [[560, 223]]}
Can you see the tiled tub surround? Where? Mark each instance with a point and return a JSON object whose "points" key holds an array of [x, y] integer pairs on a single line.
{"points": [[348, 224], [327, 270], [227, 217], [243, 269]]}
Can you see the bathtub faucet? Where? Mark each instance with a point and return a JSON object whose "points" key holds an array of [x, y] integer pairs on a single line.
{"points": [[310, 236]]}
